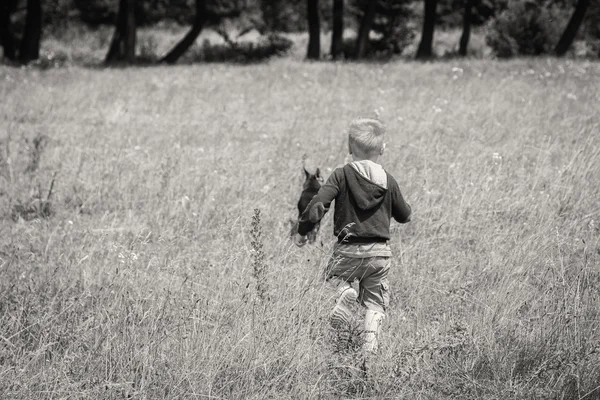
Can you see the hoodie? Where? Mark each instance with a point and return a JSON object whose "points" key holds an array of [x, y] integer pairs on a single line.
{"points": [[366, 198]]}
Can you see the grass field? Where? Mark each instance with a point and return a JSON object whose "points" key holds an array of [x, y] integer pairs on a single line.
{"points": [[119, 287]]}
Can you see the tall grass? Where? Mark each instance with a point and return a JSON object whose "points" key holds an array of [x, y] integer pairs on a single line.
{"points": [[145, 279]]}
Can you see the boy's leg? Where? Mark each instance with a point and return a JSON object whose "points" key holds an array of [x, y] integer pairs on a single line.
{"points": [[373, 321], [374, 296], [341, 315], [340, 273]]}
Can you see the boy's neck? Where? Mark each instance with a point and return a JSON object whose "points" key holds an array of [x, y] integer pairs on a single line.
{"points": [[374, 157]]}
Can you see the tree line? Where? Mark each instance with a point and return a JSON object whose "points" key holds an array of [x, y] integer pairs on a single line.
{"points": [[387, 18]]}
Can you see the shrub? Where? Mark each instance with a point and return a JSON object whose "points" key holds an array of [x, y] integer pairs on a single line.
{"points": [[525, 28], [241, 52], [51, 59]]}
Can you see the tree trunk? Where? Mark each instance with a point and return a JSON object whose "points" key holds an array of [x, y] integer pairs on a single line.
{"points": [[572, 27], [190, 38], [466, 33], [314, 30], [7, 39], [425, 46], [29, 49], [337, 35], [122, 47], [130, 33], [363, 31], [114, 50]]}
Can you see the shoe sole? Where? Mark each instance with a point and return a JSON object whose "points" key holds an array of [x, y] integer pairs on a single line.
{"points": [[341, 315]]}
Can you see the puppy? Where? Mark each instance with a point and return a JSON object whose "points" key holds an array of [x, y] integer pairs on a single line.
{"points": [[311, 186]]}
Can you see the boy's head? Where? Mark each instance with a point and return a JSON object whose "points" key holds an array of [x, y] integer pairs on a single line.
{"points": [[366, 138]]}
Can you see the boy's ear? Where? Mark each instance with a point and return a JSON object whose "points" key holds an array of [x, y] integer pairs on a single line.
{"points": [[382, 149]]}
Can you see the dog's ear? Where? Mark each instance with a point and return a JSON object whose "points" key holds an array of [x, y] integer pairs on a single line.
{"points": [[318, 174], [306, 173]]}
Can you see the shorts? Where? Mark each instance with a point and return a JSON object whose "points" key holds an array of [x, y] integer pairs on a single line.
{"points": [[372, 274]]}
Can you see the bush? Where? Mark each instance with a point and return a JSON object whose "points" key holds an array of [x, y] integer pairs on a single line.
{"points": [[240, 52], [525, 28]]}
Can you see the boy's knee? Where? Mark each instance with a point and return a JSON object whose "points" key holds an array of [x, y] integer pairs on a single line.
{"points": [[376, 297]]}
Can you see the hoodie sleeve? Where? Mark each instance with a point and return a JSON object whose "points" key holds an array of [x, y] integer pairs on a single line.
{"points": [[320, 203], [400, 209]]}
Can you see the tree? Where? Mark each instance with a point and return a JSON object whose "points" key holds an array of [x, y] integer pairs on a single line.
{"points": [[337, 34], [190, 38], [314, 30], [466, 33], [365, 28], [122, 47], [425, 46], [572, 27], [7, 39], [29, 49]]}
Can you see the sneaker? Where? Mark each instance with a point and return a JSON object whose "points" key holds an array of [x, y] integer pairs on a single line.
{"points": [[341, 315]]}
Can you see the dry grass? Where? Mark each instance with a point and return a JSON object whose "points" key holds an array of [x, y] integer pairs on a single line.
{"points": [[127, 289]]}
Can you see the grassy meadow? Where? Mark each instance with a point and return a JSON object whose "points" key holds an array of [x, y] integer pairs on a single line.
{"points": [[147, 273]]}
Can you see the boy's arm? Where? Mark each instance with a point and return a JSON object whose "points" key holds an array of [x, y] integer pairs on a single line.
{"points": [[400, 209], [320, 203]]}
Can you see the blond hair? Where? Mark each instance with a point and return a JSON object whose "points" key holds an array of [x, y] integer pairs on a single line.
{"points": [[367, 134]]}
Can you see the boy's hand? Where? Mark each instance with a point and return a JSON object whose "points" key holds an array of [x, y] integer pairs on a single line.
{"points": [[299, 240]]}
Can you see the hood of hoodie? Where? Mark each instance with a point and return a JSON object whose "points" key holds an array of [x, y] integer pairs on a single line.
{"points": [[367, 183]]}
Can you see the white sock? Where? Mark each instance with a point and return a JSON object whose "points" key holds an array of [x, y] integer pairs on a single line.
{"points": [[373, 321]]}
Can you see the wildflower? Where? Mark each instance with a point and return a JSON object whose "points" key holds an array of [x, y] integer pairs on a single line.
{"points": [[185, 202]]}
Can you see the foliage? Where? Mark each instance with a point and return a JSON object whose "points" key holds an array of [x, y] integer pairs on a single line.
{"points": [[259, 268], [391, 29], [267, 15], [97, 11], [279, 16], [450, 12], [289, 16], [592, 28], [525, 28], [149, 12], [265, 47]]}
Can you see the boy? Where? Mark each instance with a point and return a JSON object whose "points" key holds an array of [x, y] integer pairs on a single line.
{"points": [[366, 198]]}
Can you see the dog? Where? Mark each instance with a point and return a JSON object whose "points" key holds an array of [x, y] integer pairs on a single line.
{"points": [[311, 186]]}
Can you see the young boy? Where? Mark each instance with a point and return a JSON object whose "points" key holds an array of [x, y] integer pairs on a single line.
{"points": [[366, 198]]}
